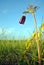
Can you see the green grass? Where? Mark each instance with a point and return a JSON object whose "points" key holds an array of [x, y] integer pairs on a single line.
{"points": [[12, 52], [22, 52]]}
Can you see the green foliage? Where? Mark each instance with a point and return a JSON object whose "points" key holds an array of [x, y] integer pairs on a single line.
{"points": [[12, 51], [21, 52]]}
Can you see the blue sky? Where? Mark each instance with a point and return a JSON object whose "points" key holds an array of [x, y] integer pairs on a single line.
{"points": [[11, 12]]}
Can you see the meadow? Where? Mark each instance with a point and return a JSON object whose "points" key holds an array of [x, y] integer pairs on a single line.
{"points": [[22, 52]]}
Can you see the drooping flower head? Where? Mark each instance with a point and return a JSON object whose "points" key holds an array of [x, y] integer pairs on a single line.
{"points": [[22, 20]]}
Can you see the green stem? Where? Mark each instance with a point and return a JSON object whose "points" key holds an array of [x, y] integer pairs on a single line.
{"points": [[38, 46]]}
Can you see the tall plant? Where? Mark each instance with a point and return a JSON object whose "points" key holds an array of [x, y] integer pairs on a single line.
{"points": [[31, 10]]}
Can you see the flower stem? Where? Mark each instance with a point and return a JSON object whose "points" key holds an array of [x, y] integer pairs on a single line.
{"points": [[38, 46]]}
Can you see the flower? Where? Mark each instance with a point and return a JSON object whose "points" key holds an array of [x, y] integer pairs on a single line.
{"points": [[28, 43], [22, 20]]}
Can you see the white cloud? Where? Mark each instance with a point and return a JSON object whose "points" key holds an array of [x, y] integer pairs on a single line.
{"points": [[3, 11], [0, 31]]}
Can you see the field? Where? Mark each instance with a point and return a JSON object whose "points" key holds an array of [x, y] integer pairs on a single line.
{"points": [[22, 52]]}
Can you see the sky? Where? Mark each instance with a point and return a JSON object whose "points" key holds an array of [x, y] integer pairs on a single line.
{"points": [[12, 10]]}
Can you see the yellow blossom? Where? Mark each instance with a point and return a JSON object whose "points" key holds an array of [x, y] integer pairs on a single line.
{"points": [[28, 43]]}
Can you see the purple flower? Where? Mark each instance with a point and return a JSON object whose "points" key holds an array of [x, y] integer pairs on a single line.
{"points": [[22, 20]]}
